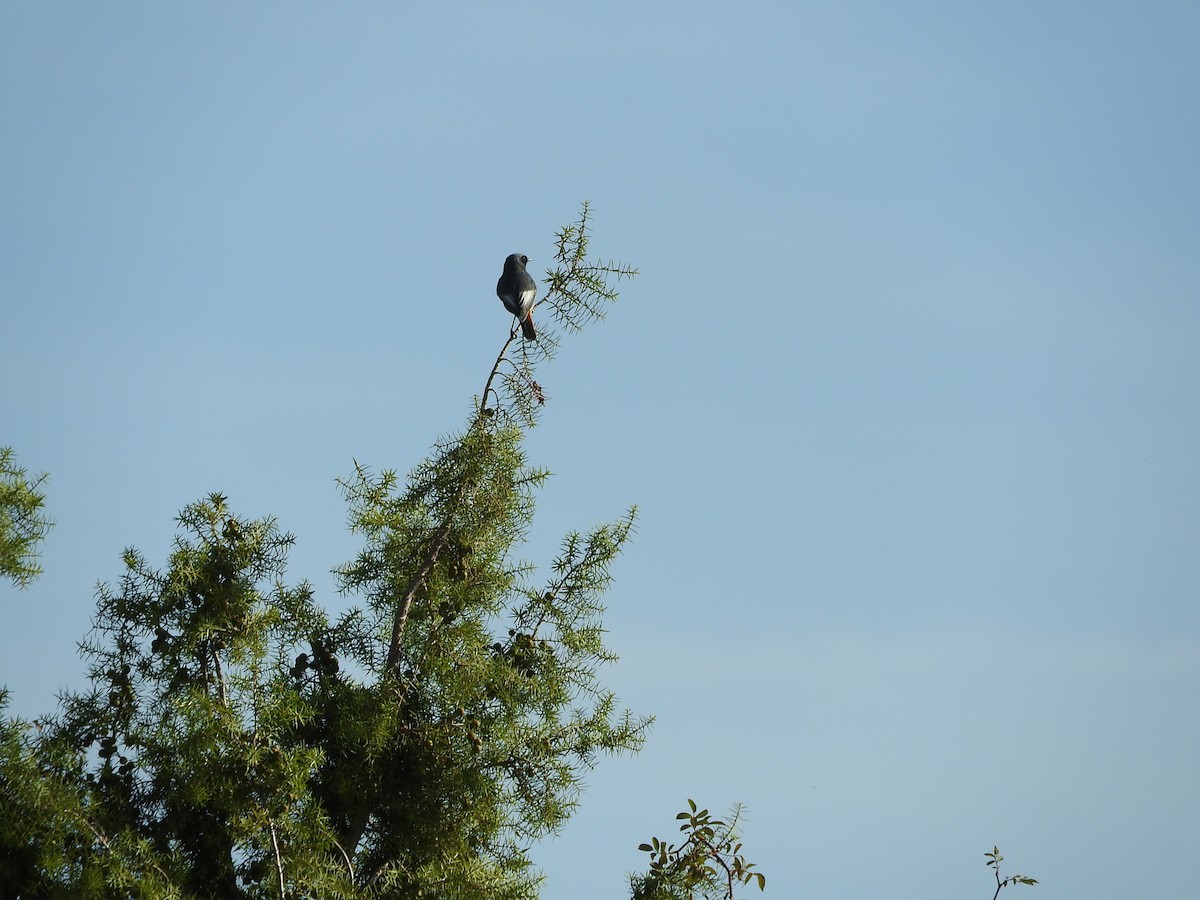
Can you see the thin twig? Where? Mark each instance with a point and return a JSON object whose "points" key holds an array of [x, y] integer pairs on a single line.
{"points": [[713, 853], [495, 368], [278, 861], [216, 657], [346, 857], [104, 842]]}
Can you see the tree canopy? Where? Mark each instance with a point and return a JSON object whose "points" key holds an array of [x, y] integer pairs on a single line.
{"points": [[236, 740]]}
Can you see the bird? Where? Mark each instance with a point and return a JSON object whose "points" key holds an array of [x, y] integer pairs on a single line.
{"points": [[517, 290]]}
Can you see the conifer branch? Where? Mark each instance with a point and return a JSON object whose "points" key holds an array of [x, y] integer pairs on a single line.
{"points": [[410, 594], [579, 290], [435, 548]]}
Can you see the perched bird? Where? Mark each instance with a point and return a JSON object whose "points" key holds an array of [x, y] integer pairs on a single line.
{"points": [[516, 290]]}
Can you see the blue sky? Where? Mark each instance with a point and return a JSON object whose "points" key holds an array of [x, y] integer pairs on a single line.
{"points": [[907, 391]]}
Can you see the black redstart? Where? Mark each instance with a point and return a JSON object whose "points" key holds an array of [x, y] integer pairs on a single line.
{"points": [[516, 291]]}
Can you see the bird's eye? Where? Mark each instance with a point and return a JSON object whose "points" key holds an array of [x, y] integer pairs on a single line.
{"points": [[524, 259]]}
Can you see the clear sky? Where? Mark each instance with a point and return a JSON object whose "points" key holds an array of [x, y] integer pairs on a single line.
{"points": [[908, 391]]}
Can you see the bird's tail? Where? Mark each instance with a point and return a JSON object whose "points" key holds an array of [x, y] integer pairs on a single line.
{"points": [[527, 328]]}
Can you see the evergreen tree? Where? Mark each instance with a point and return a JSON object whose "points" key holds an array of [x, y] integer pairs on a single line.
{"points": [[23, 524], [237, 742]]}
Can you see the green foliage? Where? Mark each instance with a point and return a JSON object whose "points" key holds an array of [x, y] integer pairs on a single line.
{"points": [[499, 709], [186, 741], [580, 289], [993, 861], [235, 742], [23, 524], [708, 864]]}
